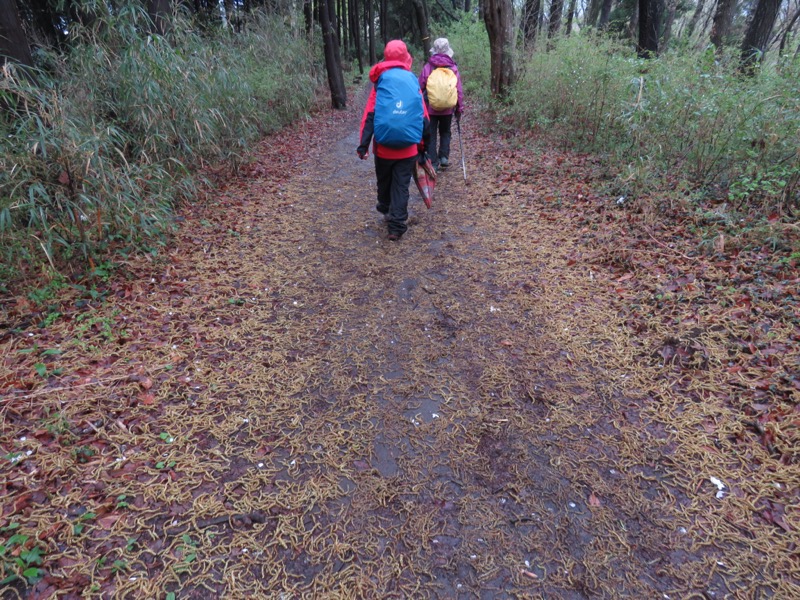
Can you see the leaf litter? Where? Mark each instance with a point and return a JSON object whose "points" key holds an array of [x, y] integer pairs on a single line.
{"points": [[537, 392]]}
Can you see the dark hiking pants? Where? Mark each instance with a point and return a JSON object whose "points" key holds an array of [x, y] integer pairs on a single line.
{"points": [[440, 124], [394, 177]]}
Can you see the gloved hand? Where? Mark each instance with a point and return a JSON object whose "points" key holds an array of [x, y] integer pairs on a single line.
{"points": [[362, 152], [458, 116]]}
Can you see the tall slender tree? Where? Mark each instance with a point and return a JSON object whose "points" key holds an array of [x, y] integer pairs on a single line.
{"points": [[308, 14], [43, 19], [605, 14], [669, 19], [757, 36], [570, 16], [498, 15], [649, 25], [333, 59], [698, 11], [787, 31], [355, 32], [340, 11], [556, 9], [633, 23], [159, 11], [721, 26], [13, 41], [384, 20], [592, 12], [373, 54], [531, 19], [421, 17]]}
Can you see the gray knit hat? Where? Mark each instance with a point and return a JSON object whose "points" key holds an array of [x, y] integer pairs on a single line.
{"points": [[442, 46]]}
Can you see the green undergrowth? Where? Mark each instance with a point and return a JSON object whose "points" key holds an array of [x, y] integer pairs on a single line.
{"points": [[685, 121], [96, 155]]}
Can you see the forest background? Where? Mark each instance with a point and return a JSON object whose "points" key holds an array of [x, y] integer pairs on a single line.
{"points": [[112, 109]]}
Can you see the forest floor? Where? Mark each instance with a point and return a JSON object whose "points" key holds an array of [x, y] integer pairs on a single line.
{"points": [[541, 390]]}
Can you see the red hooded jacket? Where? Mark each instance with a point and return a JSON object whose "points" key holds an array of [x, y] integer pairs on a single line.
{"points": [[395, 56]]}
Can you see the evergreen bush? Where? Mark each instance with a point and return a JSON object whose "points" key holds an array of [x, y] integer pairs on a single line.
{"points": [[96, 154], [686, 114]]}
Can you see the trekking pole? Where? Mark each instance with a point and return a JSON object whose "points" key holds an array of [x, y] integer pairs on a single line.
{"points": [[461, 145]]}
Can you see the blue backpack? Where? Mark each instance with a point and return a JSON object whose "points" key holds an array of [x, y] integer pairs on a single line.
{"points": [[398, 109]]}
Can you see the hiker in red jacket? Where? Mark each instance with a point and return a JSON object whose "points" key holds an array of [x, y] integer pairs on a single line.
{"points": [[440, 108], [400, 129]]}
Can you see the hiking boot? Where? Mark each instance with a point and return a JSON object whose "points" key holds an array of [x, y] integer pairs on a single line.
{"points": [[444, 162]]}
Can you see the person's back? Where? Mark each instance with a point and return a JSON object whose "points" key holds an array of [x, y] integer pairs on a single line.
{"points": [[395, 120], [436, 80]]}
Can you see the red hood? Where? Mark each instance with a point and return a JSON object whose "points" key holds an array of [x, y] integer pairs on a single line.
{"points": [[394, 55]]}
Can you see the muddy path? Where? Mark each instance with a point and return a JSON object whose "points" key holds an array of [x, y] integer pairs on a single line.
{"points": [[299, 408]]}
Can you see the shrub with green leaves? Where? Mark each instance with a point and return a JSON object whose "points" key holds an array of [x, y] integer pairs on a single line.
{"points": [[96, 154], [578, 91], [689, 114]]}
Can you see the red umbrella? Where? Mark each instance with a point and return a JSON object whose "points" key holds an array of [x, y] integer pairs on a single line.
{"points": [[425, 178]]}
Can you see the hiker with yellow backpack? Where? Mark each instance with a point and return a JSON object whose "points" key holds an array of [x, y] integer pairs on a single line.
{"points": [[441, 86]]}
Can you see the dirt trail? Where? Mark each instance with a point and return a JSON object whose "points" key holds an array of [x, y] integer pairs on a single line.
{"points": [[312, 411]]}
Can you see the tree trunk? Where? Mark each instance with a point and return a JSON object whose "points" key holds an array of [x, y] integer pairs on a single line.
{"points": [[723, 17], [341, 30], [355, 33], [666, 34], [649, 20], [336, 11], [593, 12], [333, 60], [421, 17], [787, 32], [570, 16], [605, 13], [373, 54], [384, 17], [13, 41], [159, 11], [229, 17], [499, 19], [633, 24], [531, 19], [44, 23], [308, 13], [556, 8], [695, 18], [758, 33]]}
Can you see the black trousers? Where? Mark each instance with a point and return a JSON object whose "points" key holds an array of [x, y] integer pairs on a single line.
{"points": [[440, 124], [394, 177]]}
